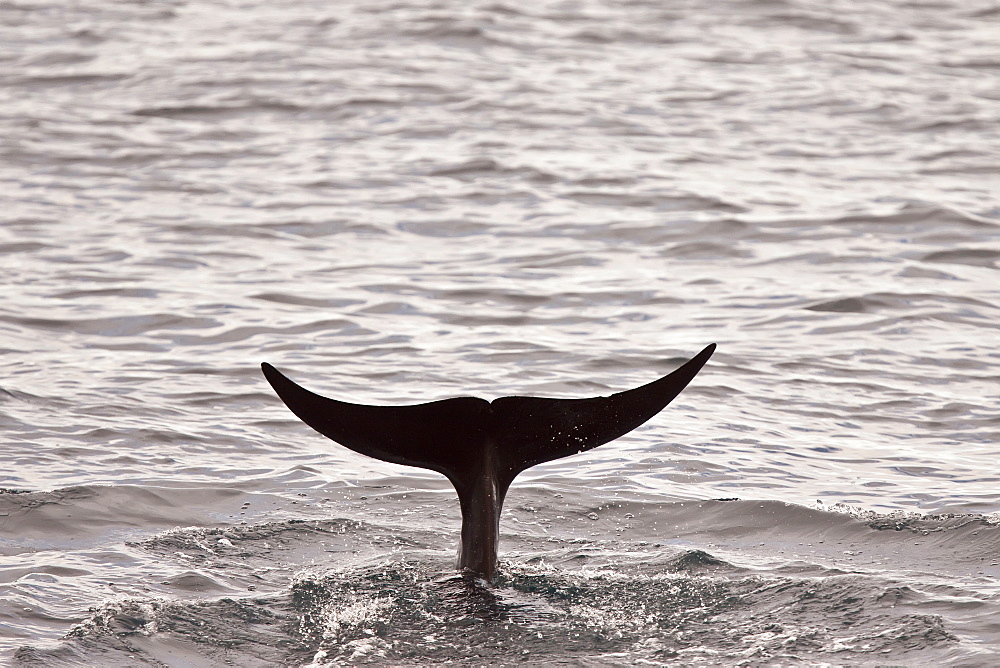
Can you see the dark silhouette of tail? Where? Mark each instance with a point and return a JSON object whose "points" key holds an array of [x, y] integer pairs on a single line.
{"points": [[482, 445]]}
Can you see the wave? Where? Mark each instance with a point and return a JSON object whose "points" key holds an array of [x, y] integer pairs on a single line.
{"points": [[770, 582]]}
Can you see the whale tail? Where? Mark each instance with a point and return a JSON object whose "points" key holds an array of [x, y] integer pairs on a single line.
{"points": [[481, 446]]}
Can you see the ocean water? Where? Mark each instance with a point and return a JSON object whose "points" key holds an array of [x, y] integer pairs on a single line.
{"points": [[395, 202]]}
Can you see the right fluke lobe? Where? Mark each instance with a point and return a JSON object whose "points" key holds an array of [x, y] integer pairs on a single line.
{"points": [[481, 446]]}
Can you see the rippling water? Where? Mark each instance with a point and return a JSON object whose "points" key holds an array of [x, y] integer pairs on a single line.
{"points": [[397, 202]]}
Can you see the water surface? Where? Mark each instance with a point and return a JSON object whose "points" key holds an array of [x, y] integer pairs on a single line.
{"points": [[397, 202]]}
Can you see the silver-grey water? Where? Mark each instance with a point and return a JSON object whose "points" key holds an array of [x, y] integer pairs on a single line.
{"points": [[397, 202]]}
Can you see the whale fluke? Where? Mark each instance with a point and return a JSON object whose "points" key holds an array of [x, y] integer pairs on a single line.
{"points": [[482, 445]]}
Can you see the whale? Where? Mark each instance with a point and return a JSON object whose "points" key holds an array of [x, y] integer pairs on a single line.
{"points": [[480, 445]]}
